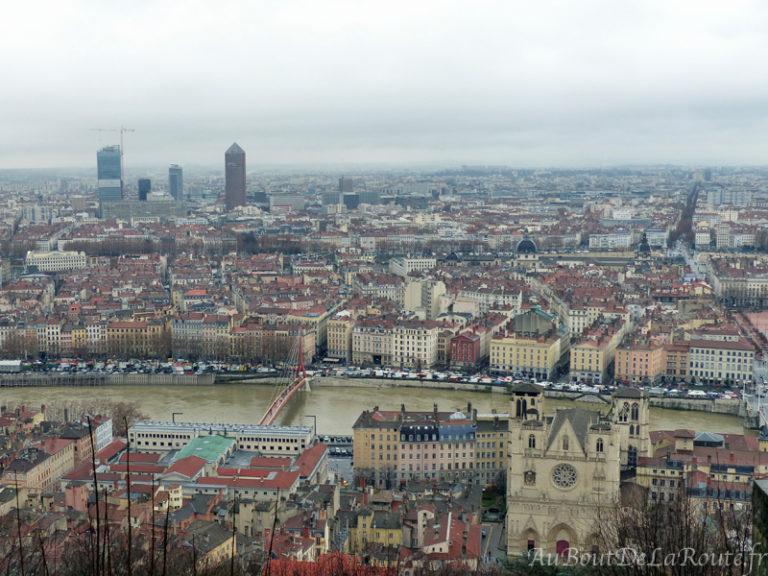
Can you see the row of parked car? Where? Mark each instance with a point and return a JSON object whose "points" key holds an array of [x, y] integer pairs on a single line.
{"points": [[353, 372], [171, 366]]}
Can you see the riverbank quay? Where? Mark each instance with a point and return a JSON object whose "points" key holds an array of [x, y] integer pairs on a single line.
{"points": [[380, 383], [730, 406], [36, 380], [97, 380]]}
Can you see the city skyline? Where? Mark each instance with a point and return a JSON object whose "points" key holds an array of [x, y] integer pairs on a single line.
{"points": [[586, 84]]}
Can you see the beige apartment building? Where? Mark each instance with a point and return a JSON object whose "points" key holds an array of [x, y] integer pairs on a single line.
{"points": [[339, 342], [593, 353], [415, 344], [372, 342], [491, 458]]}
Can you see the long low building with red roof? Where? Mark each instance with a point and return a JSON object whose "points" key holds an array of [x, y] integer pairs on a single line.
{"points": [[276, 484]]}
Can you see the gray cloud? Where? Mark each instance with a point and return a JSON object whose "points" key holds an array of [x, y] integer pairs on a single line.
{"points": [[523, 83]]}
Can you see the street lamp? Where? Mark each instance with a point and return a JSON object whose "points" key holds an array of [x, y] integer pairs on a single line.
{"points": [[314, 425]]}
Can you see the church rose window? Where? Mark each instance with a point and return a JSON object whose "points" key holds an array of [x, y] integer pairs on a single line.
{"points": [[564, 476]]}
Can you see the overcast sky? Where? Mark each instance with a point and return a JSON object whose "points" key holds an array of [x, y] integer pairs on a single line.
{"points": [[521, 83]]}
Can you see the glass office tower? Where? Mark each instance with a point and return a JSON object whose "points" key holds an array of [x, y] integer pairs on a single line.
{"points": [[109, 173], [176, 181]]}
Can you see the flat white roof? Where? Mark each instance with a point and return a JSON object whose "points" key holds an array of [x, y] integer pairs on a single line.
{"points": [[143, 425]]}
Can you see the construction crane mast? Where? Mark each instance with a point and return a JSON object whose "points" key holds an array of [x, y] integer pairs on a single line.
{"points": [[122, 131]]}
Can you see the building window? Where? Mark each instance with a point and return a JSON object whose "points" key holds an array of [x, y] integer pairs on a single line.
{"points": [[599, 446], [531, 441], [565, 443]]}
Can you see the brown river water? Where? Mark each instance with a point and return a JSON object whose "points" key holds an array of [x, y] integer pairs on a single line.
{"points": [[334, 408]]}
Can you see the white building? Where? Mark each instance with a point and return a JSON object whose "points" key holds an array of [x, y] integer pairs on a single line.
{"points": [[56, 261], [268, 440], [621, 240], [404, 266]]}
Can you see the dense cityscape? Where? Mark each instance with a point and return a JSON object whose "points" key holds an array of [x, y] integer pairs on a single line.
{"points": [[582, 301]]}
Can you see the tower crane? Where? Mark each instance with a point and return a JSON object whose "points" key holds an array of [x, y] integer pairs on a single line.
{"points": [[122, 131]]}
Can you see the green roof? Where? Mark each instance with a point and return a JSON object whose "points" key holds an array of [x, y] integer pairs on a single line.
{"points": [[211, 448]]}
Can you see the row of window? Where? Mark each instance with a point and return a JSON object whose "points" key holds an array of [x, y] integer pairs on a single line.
{"points": [[434, 467], [565, 443]]}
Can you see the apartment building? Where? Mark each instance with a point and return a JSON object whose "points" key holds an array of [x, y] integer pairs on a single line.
{"points": [[491, 448], [414, 344], [339, 339], [639, 362], [372, 342], [716, 471], [55, 261], [718, 361], [392, 446], [404, 266], [533, 346], [593, 353], [677, 361], [134, 338], [40, 467]]}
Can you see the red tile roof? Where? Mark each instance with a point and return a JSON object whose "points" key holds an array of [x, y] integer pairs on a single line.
{"points": [[263, 462], [142, 457], [188, 466], [54, 445], [276, 480], [110, 451], [310, 458]]}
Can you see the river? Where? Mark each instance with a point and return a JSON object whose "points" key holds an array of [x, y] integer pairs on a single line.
{"points": [[335, 408]]}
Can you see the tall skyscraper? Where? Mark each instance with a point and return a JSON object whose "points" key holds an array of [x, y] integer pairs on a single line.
{"points": [[346, 185], [176, 181], [145, 186], [234, 171], [109, 174]]}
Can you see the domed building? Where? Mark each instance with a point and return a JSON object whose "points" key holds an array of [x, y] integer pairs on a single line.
{"points": [[526, 252], [526, 246]]}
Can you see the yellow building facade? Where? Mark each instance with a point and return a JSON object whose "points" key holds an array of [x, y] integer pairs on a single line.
{"points": [[491, 456], [375, 527], [339, 342], [511, 354]]}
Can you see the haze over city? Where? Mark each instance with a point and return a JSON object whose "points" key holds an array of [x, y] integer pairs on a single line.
{"points": [[312, 83]]}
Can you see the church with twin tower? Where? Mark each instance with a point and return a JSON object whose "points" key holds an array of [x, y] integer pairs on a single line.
{"points": [[565, 469]]}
